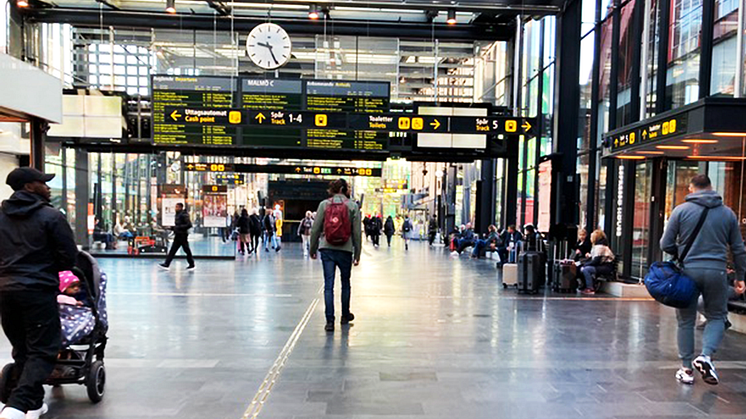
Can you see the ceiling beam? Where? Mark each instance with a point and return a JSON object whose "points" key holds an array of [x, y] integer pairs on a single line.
{"points": [[410, 30], [546, 7]]}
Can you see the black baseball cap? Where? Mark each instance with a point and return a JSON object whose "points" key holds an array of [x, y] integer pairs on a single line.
{"points": [[19, 177]]}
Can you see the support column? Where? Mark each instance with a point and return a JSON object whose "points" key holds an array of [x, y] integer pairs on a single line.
{"points": [[450, 201], [664, 7], [567, 100], [510, 200], [705, 58], [38, 133], [486, 196], [82, 180]]}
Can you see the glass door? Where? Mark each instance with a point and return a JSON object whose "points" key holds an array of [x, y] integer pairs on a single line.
{"points": [[641, 219]]}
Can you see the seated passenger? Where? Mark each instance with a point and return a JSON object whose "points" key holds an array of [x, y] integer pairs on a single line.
{"points": [[491, 242], [601, 261], [507, 247], [467, 239], [582, 249], [455, 235], [531, 238]]}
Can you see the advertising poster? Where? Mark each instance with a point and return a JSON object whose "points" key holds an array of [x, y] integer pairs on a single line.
{"points": [[215, 210], [545, 195], [168, 210]]}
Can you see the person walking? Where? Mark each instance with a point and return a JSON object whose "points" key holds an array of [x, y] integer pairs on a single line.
{"points": [[255, 230], [432, 230], [375, 230], [36, 243], [406, 229], [337, 235], [269, 224], [706, 264], [277, 238], [389, 229], [181, 228], [304, 231], [243, 232]]}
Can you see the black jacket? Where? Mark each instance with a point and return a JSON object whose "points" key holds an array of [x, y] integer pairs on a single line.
{"points": [[36, 243], [243, 224], [183, 223], [269, 223], [432, 227], [255, 225], [388, 227]]}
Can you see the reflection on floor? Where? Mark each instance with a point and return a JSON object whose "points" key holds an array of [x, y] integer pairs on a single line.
{"points": [[200, 245], [434, 337]]}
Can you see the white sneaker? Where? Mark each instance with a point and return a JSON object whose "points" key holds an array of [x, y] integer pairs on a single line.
{"points": [[454, 253], [2, 406], [11, 413], [685, 376], [35, 414], [703, 364]]}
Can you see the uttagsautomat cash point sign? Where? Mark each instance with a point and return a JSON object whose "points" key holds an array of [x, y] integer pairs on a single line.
{"points": [[354, 121]]}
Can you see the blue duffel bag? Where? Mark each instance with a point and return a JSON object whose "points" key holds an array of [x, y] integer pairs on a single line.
{"points": [[668, 285]]}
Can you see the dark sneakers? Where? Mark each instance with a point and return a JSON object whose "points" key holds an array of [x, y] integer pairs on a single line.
{"points": [[164, 266], [347, 319], [329, 326], [703, 364]]}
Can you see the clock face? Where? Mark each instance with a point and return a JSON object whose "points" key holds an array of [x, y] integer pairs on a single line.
{"points": [[268, 46]]}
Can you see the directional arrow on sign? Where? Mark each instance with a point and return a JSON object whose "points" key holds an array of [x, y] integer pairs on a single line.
{"points": [[190, 166], [526, 126], [297, 170], [644, 134], [175, 115], [260, 117], [435, 124]]}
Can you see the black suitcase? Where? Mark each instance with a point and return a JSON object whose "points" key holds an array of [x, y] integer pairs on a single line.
{"points": [[564, 276], [529, 272]]}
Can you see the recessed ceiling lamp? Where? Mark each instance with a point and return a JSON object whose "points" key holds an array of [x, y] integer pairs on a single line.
{"points": [[451, 17], [672, 147], [654, 153], [729, 134], [625, 157], [22, 3], [171, 6], [700, 141], [313, 12]]}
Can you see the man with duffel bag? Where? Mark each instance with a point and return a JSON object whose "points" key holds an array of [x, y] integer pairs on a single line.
{"points": [[699, 234]]}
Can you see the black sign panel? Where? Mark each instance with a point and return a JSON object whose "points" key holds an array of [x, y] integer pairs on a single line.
{"points": [[344, 96], [268, 95], [657, 130], [283, 169], [215, 188], [230, 179], [209, 167], [170, 126]]}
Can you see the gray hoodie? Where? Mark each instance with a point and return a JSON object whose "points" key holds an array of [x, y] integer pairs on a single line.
{"points": [[719, 232]]}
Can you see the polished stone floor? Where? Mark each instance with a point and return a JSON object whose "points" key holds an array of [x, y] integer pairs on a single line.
{"points": [[434, 337]]}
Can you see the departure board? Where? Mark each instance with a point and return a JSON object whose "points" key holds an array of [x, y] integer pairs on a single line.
{"points": [[271, 95], [170, 93], [347, 96]]}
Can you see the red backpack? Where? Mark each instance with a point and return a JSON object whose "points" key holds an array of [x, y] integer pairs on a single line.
{"points": [[337, 225]]}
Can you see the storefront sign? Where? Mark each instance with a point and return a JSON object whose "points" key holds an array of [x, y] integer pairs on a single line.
{"points": [[619, 201]]}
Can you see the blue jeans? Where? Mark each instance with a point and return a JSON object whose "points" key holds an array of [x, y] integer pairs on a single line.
{"points": [[276, 241], [713, 285], [478, 246], [589, 272], [331, 259]]}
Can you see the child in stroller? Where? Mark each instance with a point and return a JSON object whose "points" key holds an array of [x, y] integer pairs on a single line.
{"points": [[84, 327]]}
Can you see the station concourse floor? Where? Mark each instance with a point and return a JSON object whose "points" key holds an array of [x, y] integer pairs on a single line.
{"points": [[434, 337]]}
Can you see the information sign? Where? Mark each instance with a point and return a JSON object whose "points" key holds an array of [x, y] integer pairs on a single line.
{"points": [[650, 132], [269, 96], [285, 169]]}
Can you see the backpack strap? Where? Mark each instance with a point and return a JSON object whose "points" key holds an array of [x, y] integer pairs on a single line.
{"points": [[693, 237]]}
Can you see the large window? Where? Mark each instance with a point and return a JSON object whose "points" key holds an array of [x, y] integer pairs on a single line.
{"points": [[682, 82]]}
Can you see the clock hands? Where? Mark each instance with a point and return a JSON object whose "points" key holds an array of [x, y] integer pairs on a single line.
{"points": [[271, 50]]}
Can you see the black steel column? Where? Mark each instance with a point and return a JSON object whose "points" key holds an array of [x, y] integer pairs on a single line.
{"points": [[38, 133], [81, 197], [450, 203], [510, 195], [637, 22], [566, 105], [485, 196], [705, 58], [664, 7], [614, 72], [539, 125]]}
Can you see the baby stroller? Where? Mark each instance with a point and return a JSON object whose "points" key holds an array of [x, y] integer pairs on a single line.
{"points": [[81, 359]]}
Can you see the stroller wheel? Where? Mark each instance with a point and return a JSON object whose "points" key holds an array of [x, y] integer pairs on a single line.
{"points": [[5, 379], [95, 381]]}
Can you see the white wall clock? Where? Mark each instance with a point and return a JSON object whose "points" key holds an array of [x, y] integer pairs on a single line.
{"points": [[269, 46]]}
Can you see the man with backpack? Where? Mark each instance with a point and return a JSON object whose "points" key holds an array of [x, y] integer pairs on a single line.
{"points": [[181, 228], [337, 235], [406, 228], [701, 231]]}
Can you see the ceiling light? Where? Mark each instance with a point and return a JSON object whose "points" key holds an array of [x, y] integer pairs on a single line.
{"points": [[22, 3], [625, 157], [451, 17], [672, 147], [313, 12], [730, 134], [703, 141], [171, 6], [717, 158], [650, 152]]}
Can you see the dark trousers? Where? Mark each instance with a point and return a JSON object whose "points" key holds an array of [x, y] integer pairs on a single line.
{"points": [[331, 260], [376, 239], [388, 239], [431, 237], [180, 241], [31, 322]]}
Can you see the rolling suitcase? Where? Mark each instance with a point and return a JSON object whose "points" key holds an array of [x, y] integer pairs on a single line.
{"points": [[510, 274], [565, 274], [529, 272]]}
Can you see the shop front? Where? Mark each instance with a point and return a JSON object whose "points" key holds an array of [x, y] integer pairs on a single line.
{"points": [[651, 163]]}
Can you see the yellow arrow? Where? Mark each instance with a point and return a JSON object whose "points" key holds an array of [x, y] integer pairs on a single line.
{"points": [[435, 124], [297, 170], [175, 115], [526, 126], [260, 117]]}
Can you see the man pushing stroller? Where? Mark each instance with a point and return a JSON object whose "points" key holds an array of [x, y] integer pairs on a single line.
{"points": [[36, 243]]}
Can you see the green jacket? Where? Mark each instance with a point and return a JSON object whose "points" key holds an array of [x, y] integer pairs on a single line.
{"points": [[354, 245]]}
